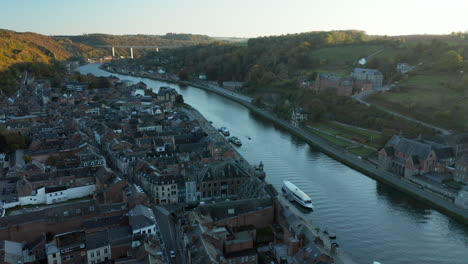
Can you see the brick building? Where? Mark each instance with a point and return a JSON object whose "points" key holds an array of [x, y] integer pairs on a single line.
{"points": [[408, 157]]}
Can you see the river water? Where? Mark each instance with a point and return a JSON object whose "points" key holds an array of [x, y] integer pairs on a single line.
{"points": [[373, 222]]}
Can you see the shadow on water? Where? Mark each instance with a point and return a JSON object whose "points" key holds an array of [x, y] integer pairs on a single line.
{"points": [[183, 86], [265, 122], [401, 201]]}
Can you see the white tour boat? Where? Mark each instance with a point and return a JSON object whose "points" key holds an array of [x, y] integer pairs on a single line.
{"points": [[295, 193]]}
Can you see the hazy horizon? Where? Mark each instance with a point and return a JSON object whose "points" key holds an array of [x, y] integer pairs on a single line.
{"points": [[241, 19]]}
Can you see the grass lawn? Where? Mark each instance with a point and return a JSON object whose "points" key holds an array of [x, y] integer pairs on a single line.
{"points": [[349, 132], [332, 139], [361, 151], [422, 95]]}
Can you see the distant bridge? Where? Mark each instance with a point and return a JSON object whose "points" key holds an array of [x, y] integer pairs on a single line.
{"points": [[157, 48]]}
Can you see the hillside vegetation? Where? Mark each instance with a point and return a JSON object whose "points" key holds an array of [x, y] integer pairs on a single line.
{"points": [[29, 47], [271, 67], [170, 39], [38, 53]]}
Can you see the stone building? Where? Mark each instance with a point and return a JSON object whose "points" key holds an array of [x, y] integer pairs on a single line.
{"points": [[373, 76], [341, 86]]}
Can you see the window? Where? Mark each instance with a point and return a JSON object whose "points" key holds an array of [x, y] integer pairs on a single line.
{"points": [[54, 255], [105, 251], [149, 231], [209, 185], [98, 253], [61, 193], [55, 261], [92, 254]]}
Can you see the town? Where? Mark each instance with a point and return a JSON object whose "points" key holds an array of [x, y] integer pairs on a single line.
{"points": [[132, 174], [435, 166], [233, 132]]}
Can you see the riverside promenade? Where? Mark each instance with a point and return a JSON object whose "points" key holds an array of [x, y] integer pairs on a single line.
{"points": [[339, 154], [347, 158]]}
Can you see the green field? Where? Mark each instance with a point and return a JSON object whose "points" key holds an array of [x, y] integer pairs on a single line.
{"points": [[422, 96], [349, 132], [340, 59], [361, 151], [332, 139]]}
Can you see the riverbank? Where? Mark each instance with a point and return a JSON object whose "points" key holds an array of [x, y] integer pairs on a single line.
{"points": [[340, 155], [340, 256]]}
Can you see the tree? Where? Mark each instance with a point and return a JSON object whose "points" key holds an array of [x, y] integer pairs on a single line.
{"points": [[316, 109], [450, 61], [27, 158], [179, 99]]}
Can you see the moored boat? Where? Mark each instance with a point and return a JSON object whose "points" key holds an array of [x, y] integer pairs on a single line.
{"points": [[236, 141], [297, 194], [224, 131]]}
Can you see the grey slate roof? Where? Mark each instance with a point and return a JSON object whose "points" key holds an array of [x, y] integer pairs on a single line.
{"points": [[418, 148], [141, 216], [444, 153], [120, 235], [222, 170], [97, 240], [224, 210], [413, 148], [367, 71]]}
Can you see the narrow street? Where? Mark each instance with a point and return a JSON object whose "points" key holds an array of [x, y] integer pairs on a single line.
{"points": [[167, 233]]}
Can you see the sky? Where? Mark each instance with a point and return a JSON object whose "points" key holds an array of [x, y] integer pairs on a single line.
{"points": [[233, 18]]}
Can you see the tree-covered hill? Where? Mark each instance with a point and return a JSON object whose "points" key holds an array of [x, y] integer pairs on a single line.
{"points": [[271, 67], [170, 39], [18, 47]]}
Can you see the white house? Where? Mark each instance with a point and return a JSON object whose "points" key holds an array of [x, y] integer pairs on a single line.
{"points": [[138, 93], [4, 162], [404, 68], [142, 220], [191, 191], [202, 76], [298, 116], [56, 194]]}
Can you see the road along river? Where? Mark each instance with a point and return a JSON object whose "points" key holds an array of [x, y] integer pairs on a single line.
{"points": [[372, 220]]}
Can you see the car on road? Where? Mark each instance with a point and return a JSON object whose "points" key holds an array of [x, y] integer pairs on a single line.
{"points": [[172, 254]]}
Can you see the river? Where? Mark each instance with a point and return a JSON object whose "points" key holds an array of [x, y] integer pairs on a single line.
{"points": [[373, 221]]}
